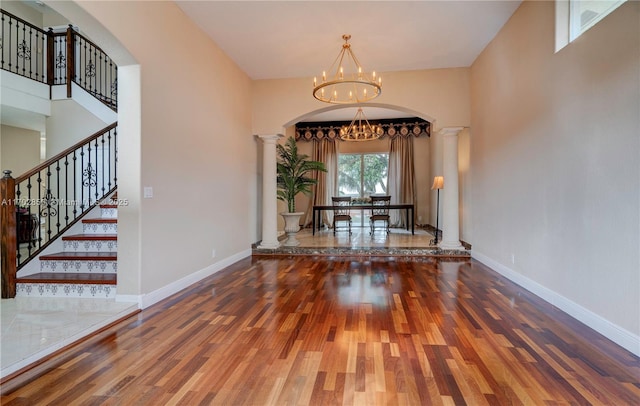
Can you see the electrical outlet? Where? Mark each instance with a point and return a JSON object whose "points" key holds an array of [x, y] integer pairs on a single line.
{"points": [[213, 253]]}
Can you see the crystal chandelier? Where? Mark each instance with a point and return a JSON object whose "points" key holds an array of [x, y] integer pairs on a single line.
{"points": [[348, 84], [360, 129]]}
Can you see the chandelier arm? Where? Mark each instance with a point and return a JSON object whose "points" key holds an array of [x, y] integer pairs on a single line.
{"points": [[355, 60], [340, 66]]}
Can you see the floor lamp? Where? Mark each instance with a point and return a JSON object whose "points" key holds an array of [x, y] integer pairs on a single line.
{"points": [[438, 183]]}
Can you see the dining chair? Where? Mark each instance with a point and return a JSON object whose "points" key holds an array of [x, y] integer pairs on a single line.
{"points": [[341, 211], [380, 212]]}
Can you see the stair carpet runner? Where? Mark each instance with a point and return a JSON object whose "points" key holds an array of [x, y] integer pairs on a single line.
{"points": [[88, 265]]}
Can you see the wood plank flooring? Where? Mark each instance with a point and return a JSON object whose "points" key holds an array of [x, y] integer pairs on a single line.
{"points": [[344, 331]]}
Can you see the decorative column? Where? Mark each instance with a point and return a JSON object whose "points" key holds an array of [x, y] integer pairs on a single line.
{"points": [[269, 194], [450, 205]]}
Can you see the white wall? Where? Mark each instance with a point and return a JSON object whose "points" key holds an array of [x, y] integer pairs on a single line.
{"points": [[555, 165]]}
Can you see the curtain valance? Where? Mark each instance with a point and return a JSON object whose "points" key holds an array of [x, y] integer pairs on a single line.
{"points": [[392, 128]]}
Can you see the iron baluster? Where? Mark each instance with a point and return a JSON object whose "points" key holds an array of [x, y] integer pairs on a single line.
{"points": [[47, 200], [58, 195], [75, 183], [84, 78], [82, 180], [2, 61], [109, 156], [31, 47], [115, 156], [102, 171], [66, 189], [96, 167], [18, 193], [10, 44]]}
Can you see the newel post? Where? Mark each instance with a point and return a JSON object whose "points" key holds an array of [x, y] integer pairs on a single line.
{"points": [[71, 58], [8, 240], [50, 58]]}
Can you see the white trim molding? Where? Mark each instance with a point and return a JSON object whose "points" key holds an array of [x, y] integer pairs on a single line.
{"points": [[615, 333], [157, 295]]}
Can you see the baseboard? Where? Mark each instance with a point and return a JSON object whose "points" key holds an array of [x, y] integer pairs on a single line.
{"points": [[154, 297], [615, 333], [129, 299]]}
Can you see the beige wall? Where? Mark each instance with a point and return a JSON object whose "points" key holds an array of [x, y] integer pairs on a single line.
{"points": [[195, 135], [549, 170], [555, 163], [441, 95], [19, 149]]}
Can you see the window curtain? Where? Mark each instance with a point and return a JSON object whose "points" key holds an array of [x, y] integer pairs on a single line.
{"points": [[402, 179], [325, 151]]}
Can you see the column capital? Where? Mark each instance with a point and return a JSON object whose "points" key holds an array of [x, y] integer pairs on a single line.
{"points": [[451, 131], [269, 138]]}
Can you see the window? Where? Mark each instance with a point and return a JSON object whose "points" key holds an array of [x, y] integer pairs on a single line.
{"points": [[361, 175], [573, 17], [584, 14]]}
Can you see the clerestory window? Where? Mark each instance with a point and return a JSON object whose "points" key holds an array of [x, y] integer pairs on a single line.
{"points": [[574, 17]]}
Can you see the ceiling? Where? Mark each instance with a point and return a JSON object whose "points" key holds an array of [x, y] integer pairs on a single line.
{"points": [[293, 39]]}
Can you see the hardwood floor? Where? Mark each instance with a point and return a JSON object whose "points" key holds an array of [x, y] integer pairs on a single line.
{"points": [[352, 331]]}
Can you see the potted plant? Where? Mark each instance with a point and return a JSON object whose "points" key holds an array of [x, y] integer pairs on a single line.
{"points": [[294, 172]]}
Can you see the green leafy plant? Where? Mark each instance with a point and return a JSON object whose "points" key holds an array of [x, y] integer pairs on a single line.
{"points": [[294, 172]]}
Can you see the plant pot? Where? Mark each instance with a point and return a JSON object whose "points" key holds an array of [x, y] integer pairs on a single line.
{"points": [[291, 228]]}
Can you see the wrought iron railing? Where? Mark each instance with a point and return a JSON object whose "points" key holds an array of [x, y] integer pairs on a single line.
{"points": [[94, 71], [22, 45], [57, 58], [50, 198]]}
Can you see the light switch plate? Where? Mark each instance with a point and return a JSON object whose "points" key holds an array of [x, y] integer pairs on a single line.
{"points": [[148, 192]]}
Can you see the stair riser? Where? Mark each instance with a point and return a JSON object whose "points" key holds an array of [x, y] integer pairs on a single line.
{"points": [[100, 228], [109, 213], [90, 246], [78, 266], [65, 290]]}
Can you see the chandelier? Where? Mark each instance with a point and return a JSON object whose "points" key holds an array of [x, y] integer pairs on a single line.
{"points": [[348, 83], [360, 129]]}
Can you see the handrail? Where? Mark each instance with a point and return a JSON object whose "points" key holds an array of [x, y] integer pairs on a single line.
{"points": [[53, 196], [25, 22], [94, 70], [62, 154]]}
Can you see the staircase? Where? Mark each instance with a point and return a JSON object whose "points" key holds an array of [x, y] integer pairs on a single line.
{"points": [[87, 266]]}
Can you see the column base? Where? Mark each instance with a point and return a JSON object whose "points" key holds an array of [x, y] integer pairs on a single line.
{"points": [[450, 245], [267, 245]]}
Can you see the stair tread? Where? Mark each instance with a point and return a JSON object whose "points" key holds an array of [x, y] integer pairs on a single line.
{"points": [[100, 220], [81, 256], [91, 237], [60, 277], [108, 206]]}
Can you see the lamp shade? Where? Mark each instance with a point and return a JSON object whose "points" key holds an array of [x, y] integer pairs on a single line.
{"points": [[438, 183]]}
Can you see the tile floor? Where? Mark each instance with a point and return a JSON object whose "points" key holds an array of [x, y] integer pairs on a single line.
{"points": [[34, 327], [360, 237]]}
